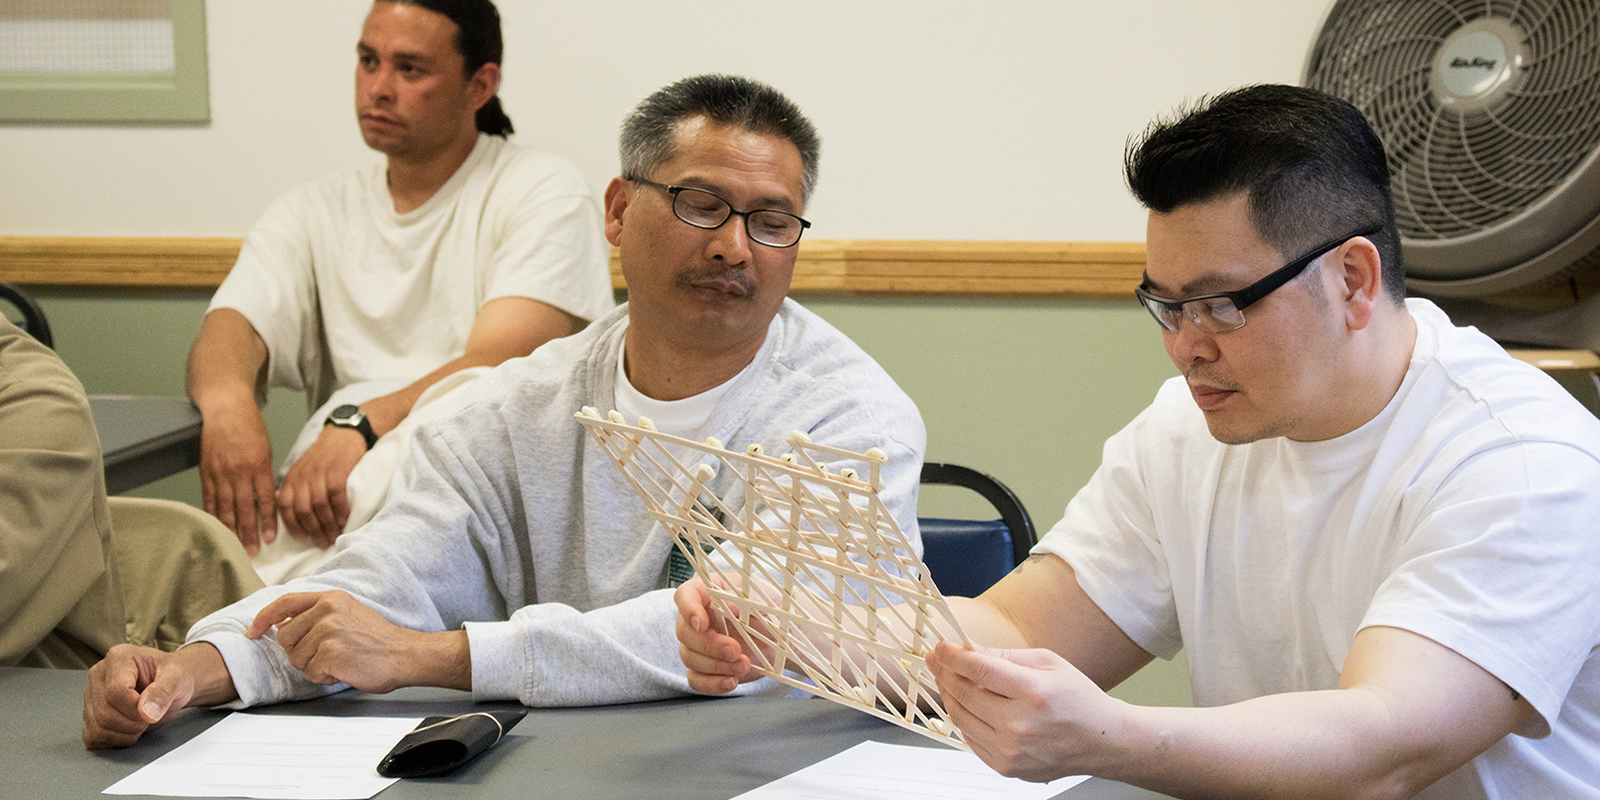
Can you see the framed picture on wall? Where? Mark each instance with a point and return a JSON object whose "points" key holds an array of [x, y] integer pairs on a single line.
{"points": [[103, 61]]}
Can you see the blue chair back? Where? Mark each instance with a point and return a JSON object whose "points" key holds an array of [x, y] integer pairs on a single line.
{"points": [[967, 556]]}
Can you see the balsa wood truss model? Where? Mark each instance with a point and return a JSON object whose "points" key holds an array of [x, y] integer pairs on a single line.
{"points": [[804, 562]]}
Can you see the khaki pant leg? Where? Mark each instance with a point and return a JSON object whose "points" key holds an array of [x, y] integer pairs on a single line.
{"points": [[177, 564]]}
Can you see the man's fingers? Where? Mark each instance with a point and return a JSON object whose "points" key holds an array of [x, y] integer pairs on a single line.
{"points": [[973, 728], [291, 506], [115, 710], [692, 602], [111, 701], [222, 504], [266, 509], [706, 664], [104, 728], [716, 662], [244, 515], [339, 502], [124, 701], [323, 528], [708, 684], [164, 697], [111, 733], [711, 643], [1030, 657], [285, 607], [1007, 673], [293, 633], [208, 492]]}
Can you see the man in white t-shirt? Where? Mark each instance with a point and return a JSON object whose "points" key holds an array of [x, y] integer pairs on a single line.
{"points": [[367, 288], [1373, 533]]}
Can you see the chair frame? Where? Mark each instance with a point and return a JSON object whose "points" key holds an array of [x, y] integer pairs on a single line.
{"points": [[33, 319], [1012, 512]]}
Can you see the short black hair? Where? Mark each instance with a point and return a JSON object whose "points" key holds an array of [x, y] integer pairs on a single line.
{"points": [[1311, 165], [649, 133], [479, 41]]}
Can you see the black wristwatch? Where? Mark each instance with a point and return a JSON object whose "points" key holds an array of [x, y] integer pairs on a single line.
{"points": [[348, 416]]}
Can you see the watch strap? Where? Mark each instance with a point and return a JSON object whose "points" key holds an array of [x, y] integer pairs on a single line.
{"points": [[350, 416]]}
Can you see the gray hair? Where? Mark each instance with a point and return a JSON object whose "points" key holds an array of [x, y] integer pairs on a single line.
{"points": [[649, 134]]}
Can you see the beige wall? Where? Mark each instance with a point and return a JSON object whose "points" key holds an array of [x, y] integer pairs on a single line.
{"points": [[941, 120]]}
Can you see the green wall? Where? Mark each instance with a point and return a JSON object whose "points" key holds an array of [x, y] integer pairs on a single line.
{"points": [[1026, 390], [135, 342]]}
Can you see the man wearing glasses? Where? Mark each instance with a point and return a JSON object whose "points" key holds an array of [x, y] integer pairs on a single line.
{"points": [[1374, 534], [514, 561]]}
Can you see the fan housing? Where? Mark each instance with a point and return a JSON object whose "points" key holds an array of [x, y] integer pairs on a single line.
{"points": [[1490, 113]]}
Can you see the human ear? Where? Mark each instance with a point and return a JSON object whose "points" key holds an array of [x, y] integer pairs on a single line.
{"points": [[619, 193], [1360, 271], [483, 84]]}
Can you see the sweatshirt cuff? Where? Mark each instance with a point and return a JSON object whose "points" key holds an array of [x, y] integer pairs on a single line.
{"points": [[249, 663], [495, 647]]}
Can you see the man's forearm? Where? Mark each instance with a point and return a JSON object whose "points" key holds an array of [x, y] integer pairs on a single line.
{"points": [[506, 327], [227, 364], [213, 684], [1336, 743], [385, 413]]}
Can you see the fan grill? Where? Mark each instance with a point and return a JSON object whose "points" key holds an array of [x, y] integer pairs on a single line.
{"points": [[1460, 171]]}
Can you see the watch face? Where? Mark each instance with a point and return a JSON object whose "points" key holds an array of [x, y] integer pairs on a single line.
{"points": [[350, 416]]}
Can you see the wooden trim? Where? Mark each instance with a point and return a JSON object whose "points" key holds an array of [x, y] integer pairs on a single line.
{"points": [[1085, 270], [116, 261], [1559, 360]]}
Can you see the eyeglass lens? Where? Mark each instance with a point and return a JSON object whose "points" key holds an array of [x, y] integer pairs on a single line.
{"points": [[706, 210], [1211, 314]]}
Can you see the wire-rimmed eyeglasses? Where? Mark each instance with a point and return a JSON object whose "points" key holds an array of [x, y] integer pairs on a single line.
{"points": [[1224, 311], [703, 209]]}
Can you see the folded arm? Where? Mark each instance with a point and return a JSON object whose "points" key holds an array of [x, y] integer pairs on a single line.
{"points": [[313, 498], [333, 638]]}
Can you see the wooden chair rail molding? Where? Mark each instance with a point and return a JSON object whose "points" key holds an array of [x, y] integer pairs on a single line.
{"points": [[1078, 270]]}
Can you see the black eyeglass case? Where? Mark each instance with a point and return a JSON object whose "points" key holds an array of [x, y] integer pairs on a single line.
{"points": [[441, 744]]}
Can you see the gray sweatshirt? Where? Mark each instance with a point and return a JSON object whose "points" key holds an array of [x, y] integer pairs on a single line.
{"points": [[508, 520]]}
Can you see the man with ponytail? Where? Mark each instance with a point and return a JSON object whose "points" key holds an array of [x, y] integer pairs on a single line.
{"points": [[369, 287]]}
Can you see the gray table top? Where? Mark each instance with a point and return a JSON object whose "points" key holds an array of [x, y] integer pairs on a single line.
{"points": [[707, 749], [130, 425], [145, 437]]}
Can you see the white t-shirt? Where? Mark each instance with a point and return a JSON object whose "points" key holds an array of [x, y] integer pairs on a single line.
{"points": [[1468, 512], [345, 291], [685, 417]]}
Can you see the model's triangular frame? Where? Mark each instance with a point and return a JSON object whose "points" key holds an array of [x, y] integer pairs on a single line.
{"points": [[786, 567]]}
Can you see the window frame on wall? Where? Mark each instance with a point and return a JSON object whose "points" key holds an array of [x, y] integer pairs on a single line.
{"points": [[182, 96]]}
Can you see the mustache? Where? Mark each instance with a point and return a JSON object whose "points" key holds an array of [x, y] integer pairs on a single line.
{"points": [[701, 275], [1205, 376]]}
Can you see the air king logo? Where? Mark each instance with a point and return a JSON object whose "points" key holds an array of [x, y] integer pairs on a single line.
{"points": [[1477, 65]]}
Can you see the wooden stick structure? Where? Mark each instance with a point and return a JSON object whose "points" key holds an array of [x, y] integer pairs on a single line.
{"points": [[802, 560]]}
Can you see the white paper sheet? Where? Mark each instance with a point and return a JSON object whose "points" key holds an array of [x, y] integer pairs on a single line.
{"points": [[878, 771], [277, 757]]}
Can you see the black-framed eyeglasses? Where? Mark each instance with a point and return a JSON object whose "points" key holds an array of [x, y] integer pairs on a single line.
{"points": [[1224, 311], [703, 209]]}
